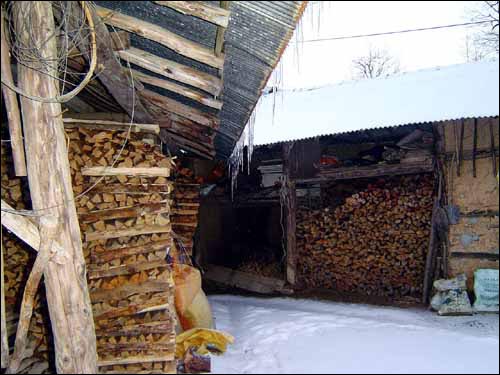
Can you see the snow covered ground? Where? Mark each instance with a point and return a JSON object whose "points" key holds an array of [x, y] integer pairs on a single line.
{"points": [[283, 335]]}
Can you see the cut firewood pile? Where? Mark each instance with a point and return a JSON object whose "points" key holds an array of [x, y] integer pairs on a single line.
{"points": [[19, 258], [127, 236], [374, 243], [255, 267], [184, 216]]}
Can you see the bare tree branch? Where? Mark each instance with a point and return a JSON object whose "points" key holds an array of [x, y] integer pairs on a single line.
{"points": [[376, 63]]}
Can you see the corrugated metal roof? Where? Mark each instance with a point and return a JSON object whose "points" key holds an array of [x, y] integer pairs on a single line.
{"points": [[439, 94], [257, 35]]}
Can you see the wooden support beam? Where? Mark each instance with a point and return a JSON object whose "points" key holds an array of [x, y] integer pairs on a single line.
{"points": [[142, 172], [193, 114], [111, 125], [112, 254], [48, 228], [217, 16], [290, 216], [12, 107], [192, 94], [49, 180], [111, 73], [4, 334], [219, 39], [136, 231], [160, 35], [124, 212], [172, 70]]}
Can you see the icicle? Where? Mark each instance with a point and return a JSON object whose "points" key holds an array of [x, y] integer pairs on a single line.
{"points": [[236, 161]]}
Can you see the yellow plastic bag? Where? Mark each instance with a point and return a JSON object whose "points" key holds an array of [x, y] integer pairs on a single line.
{"points": [[200, 338], [198, 314], [187, 282]]}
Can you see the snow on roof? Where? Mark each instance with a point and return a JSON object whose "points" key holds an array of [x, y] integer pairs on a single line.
{"points": [[438, 94]]}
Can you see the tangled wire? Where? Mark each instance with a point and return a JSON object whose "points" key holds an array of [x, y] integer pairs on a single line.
{"points": [[74, 35]]}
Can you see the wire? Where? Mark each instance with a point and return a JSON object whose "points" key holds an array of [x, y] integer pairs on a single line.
{"points": [[392, 32]]}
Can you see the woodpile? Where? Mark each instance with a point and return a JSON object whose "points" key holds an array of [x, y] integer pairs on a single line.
{"points": [[127, 235], [374, 243], [19, 259], [186, 204], [272, 269]]}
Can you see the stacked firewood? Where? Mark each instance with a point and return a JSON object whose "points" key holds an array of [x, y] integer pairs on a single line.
{"points": [[266, 269], [19, 258], [186, 204], [375, 243], [127, 237]]}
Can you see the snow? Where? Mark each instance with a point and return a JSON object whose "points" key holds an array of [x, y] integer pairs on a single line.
{"points": [[446, 93], [284, 336]]}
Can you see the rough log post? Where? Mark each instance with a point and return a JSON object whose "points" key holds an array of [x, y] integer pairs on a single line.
{"points": [[431, 255], [5, 341], [12, 108], [48, 227], [50, 188], [290, 216]]}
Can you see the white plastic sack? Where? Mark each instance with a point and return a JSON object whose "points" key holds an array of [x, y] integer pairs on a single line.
{"points": [[455, 302], [445, 285], [486, 290]]}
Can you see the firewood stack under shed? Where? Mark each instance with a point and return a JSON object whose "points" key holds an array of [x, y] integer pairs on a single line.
{"points": [[127, 236], [374, 243]]}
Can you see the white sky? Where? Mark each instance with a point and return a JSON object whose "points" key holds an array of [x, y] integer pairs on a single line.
{"points": [[327, 62]]}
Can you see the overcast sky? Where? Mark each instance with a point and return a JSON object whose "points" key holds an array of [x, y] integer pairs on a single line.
{"points": [[328, 62]]}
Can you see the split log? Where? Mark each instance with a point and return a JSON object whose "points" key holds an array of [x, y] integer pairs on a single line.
{"points": [[160, 35], [131, 360], [136, 231]]}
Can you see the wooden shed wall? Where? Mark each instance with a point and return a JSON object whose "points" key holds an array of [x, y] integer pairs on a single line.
{"points": [[474, 239]]}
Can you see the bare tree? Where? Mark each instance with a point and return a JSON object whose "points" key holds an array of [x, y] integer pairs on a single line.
{"points": [[375, 64], [484, 40]]}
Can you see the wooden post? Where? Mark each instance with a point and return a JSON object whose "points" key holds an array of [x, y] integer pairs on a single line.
{"points": [[51, 193], [290, 216], [12, 108], [4, 334], [48, 228]]}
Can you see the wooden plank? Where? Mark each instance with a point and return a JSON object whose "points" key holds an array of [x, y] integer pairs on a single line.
{"points": [[111, 125], [219, 39], [49, 180], [136, 231], [193, 114], [117, 81], [115, 312], [247, 281], [172, 70], [160, 35], [117, 171], [431, 256], [161, 327], [111, 254], [12, 107], [120, 40], [124, 212], [136, 346], [137, 359], [190, 93], [216, 15], [4, 334], [99, 272], [124, 291], [135, 188]]}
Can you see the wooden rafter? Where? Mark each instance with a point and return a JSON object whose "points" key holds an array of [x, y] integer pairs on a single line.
{"points": [[111, 125], [160, 35], [192, 94], [172, 70], [216, 15], [219, 40], [180, 109]]}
